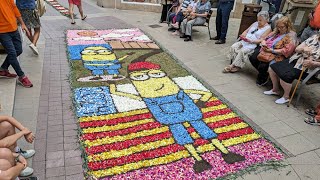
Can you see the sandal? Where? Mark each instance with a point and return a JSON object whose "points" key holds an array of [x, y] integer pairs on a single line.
{"points": [[226, 69], [312, 121], [73, 22], [84, 17], [234, 69], [310, 112]]}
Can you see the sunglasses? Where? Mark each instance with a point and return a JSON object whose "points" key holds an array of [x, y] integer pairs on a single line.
{"points": [[252, 32]]}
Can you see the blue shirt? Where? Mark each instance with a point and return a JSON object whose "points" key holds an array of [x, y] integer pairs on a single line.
{"points": [[26, 4], [202, 8]]}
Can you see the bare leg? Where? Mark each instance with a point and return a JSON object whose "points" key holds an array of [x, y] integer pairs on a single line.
{"points": [[275, 80], [81, 11], [36, 36], [6, 154], [287, 88], [71, 11], [7, 130], [30, 37]]}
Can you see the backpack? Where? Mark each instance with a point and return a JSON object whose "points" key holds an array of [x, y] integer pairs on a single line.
{"points": [[41, 7]]}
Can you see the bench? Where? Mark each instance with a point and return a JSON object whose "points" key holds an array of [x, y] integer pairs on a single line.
{"points": [[207, 23]]}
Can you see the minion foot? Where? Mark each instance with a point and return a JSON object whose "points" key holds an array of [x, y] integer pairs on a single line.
{"points": [[231, 158], [200, 166]]}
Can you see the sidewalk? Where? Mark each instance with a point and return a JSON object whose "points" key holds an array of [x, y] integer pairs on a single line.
{"points": [[47, 106]]}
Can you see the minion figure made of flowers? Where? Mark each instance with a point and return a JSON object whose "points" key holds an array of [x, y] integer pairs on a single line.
{"points": [[173, 107], [100, 60]]}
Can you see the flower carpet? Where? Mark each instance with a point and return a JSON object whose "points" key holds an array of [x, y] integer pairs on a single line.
{"points": [[55, 4], [143, 116]]}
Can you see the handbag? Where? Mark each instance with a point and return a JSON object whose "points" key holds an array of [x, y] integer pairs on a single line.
{"points": [[265, 56]]}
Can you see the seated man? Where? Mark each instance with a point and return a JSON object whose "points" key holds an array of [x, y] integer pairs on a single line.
{"points": [[9, 137], [12, 165], [200, 14], [314, 24]]}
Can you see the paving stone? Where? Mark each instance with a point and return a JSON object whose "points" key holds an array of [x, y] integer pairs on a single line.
{"points": [[76, 176], [56, 128], [308, 158], [73, 161], [72, 153], [296, 144], [71, 170], [55, 155], [58, 162], [54, 147], [55, 172], [287, 173], [278, 129], [71, 146], [39, 167], [70, 133], [57, 178]]}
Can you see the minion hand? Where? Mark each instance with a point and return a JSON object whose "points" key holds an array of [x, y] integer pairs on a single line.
{"points": [[201, 104], [130, 53]]}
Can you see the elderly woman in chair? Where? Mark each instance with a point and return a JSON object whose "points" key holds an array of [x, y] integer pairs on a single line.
{"points": [[307, 57], [198, 17], [249, 39]]}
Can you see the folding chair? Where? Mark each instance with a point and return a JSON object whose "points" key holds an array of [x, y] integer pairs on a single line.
{"points": [[207, 24], [314, 72]]}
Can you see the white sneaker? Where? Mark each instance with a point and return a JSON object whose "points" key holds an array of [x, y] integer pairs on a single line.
{"points": [[282, 100], [26, 172], [27, 153], [270, 92], [34, 49]]}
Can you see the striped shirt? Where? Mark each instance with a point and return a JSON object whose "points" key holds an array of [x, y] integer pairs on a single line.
{"points": [[185, 4]]}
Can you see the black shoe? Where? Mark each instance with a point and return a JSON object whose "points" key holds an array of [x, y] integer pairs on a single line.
{"points": [[188, 38], [172, 29], [200, 166], [215, 38], [220, 41], [183, 36]]}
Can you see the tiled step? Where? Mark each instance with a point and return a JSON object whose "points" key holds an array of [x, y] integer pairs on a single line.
{"points": [[7, 93]]}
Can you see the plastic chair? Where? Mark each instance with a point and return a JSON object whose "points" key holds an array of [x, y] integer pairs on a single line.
{"points": [[314, 72]]}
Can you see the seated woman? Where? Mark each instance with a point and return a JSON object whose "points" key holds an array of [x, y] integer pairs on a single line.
{"points": [[240, 51], [314, 114], [280, 44], [177, 17], [307, 55], [202, 9]]}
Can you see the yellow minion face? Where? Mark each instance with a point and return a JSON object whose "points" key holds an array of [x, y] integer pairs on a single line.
{"points": [[153, 83], [97, 53]]}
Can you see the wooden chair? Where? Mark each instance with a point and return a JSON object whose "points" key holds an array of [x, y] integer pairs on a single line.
{"points": [[207, 24], [315, 72]]}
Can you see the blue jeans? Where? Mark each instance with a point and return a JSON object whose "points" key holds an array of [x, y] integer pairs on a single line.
{"points": [[179, 17], [222, 19], [11, 42]]}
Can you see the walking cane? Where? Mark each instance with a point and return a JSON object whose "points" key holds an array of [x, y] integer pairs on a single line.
{"points": [[295, 88]]}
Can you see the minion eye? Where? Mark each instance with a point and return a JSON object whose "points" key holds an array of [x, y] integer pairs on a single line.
{"points": [[140, 77], [157, 74], [103, 51], [87, 52]]}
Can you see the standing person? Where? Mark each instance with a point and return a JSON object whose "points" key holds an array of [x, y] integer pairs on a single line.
{"points": [[222, 20], [78, 4], [11, 41], [31, 19], [314, 24]]}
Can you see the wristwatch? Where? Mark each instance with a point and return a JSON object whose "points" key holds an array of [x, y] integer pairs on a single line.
{"points": [[16, 159]]}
